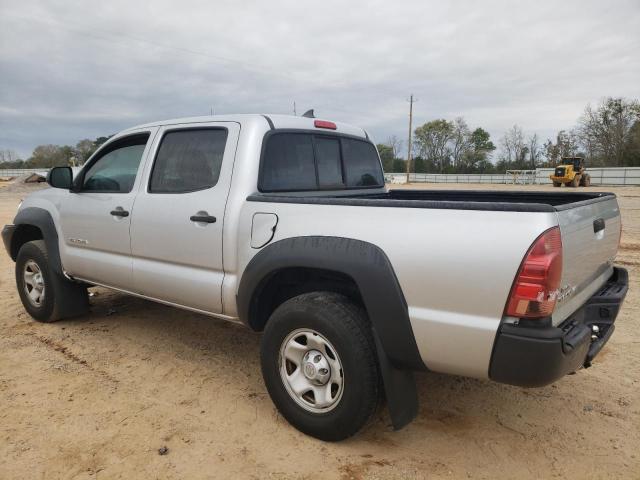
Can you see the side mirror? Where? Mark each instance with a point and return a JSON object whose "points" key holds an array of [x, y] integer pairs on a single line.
{"points": [[60, 177]]}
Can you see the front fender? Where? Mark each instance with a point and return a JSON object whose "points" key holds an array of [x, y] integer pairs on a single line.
{"points": [[42, 219]]}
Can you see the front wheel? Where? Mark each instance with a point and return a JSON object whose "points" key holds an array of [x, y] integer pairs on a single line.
{"points": [[46, 295], [557, 184], [576, 181], [319, 365]]}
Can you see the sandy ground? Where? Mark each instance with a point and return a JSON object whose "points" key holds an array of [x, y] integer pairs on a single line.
{"points": [[97, 396]]}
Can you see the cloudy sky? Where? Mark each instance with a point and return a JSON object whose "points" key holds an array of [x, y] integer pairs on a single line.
{"points": [[76, 69]]}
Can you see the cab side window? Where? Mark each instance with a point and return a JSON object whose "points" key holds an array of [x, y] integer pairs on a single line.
{"points": [[188, 160], [116, 168]]}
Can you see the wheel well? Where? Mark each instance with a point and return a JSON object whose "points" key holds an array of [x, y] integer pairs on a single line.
{"points": [[22, 235], [287, 283]]}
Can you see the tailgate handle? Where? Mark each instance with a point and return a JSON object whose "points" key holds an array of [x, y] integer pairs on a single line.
{"points": [[598, 225]]}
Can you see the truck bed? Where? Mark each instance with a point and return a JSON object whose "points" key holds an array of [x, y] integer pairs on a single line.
{"points": [[448, 199]]}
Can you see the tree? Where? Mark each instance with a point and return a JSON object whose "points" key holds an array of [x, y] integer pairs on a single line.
{"points": [[48, 156], [632, 147], [386, 156], [513, 149], [432, 140], [399, 165], [9, 159], [566, 146], [533, 151], [605, 131], [476, 159], [395, 144], [84, 149], [460, 141]]}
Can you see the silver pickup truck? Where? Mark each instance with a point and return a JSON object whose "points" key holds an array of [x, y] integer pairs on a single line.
{"points": [[284, 224]]}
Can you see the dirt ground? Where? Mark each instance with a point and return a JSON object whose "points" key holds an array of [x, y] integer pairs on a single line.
{"points": [[97, 396]]}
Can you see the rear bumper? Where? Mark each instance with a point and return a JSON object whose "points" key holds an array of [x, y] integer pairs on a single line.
{"points": [[7, 237], [535, 356]]}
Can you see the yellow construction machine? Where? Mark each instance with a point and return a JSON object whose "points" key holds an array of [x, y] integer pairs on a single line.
{"points": [[571, 172]]}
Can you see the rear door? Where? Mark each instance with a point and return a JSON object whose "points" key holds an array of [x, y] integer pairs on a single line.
{"points": [[590, 237], [176, 227]]}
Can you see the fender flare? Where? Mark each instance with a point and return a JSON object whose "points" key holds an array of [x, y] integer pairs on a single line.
{"points": [[383, 299], [369, 268], [41, 218]]}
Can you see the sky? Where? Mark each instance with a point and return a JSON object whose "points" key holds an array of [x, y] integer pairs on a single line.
{"points": [[81, 69]]}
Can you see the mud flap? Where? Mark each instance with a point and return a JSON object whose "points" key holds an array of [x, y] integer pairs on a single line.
{"points": [[399, 387]]}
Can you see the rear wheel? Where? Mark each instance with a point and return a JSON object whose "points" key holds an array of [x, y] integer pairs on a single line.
{"points": [[319, 365], [557, 184], [586, 180], [45, 294]]}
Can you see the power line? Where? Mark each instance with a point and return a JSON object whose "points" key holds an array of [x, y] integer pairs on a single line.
{"points": [[113, 37]]}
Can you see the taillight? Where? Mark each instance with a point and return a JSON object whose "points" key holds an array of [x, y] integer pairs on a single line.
{"points": [[535, 289], [324, 124]]}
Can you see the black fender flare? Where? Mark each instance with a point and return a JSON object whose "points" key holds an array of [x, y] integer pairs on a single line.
{"points": [[41, 218], [371, 270]]}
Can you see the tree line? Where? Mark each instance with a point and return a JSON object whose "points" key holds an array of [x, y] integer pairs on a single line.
{"points": [[48, 156], [607, 135]]}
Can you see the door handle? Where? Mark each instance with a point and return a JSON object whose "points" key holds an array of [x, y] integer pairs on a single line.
{"points": [[203, 218], [119, 212], [598, 225]]}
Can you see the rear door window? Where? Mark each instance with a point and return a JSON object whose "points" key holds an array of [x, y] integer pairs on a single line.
{"points": [[188, 160]]}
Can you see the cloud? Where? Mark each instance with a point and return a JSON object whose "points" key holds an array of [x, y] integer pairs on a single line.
{"points": [[70, 70]]}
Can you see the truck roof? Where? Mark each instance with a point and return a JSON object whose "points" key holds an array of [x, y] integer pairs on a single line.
{"points": [[277, 121]]}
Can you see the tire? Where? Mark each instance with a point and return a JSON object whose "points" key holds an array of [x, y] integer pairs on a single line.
{"points": [[58, 296], [567, 184], [331, 324], [587, 180], [557, 184], [576, 181]]}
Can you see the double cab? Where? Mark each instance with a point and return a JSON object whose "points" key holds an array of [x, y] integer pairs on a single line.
{"points": [[284, 224]]}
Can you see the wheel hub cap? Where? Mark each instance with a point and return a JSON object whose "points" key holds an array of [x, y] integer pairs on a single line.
{"points": [[34, 285], [311, 371], [316, 367]]}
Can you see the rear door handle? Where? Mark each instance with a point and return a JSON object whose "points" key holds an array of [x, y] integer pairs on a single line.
{"points": [[119, 213], [203, 218]]}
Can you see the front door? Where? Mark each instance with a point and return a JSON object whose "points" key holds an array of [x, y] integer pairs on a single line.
{"points": [[176, 227], [95, 219]]}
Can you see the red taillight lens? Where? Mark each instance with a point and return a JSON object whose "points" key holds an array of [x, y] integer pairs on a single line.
{"points": [[324, 124], [535, 289]]}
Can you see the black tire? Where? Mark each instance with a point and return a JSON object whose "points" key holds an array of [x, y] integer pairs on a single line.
{"points": [[587, 181], [557, 184], [576, 181], [62, 298], [346, 327]]}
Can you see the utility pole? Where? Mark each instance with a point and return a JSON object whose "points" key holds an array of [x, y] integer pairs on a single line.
{"points": [[294, 108], [410, 131]]}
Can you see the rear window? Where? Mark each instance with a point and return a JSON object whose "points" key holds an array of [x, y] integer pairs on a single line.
{"points": [[306, 161]]}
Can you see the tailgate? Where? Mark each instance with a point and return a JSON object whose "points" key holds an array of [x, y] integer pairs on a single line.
{"points": [[590, 236]]}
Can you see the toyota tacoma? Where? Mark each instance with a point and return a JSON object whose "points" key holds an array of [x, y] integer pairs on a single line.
{"points": [[283, 224]]}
